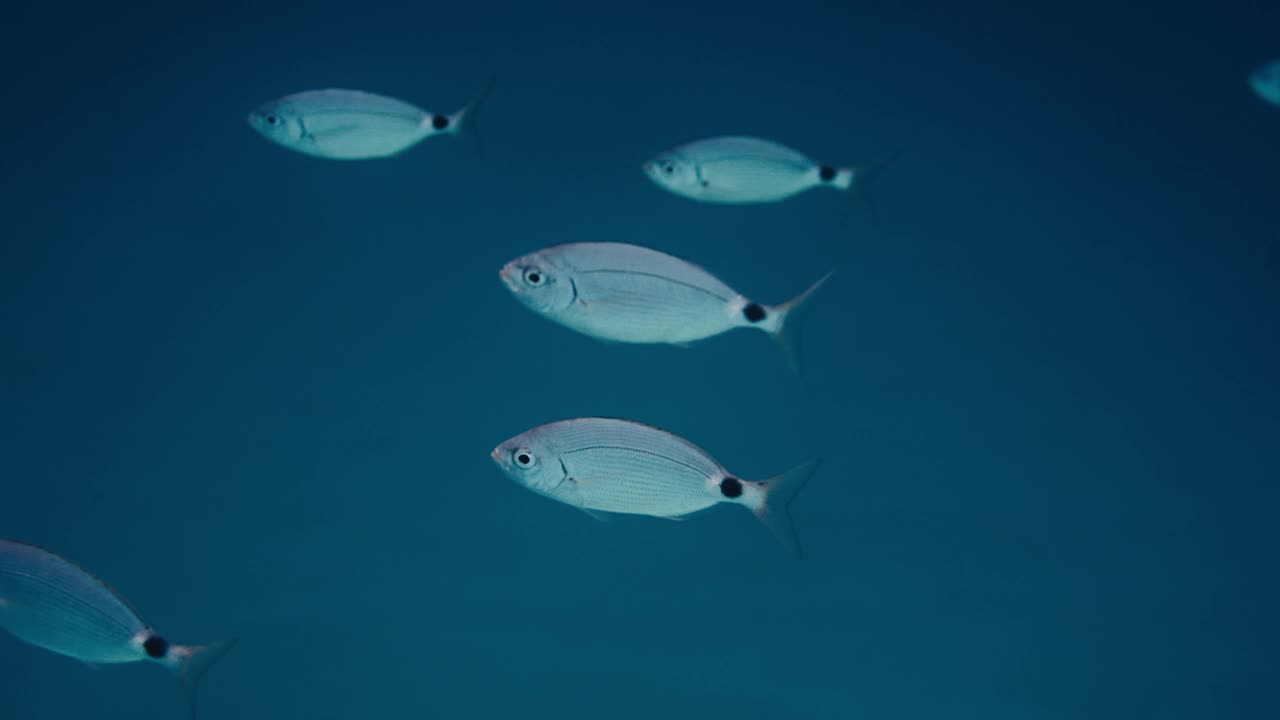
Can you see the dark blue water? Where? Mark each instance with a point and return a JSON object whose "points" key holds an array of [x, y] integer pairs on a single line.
{"points": [[256, 391]]}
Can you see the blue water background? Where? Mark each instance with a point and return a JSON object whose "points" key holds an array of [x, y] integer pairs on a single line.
{"points": [[256, 391]]}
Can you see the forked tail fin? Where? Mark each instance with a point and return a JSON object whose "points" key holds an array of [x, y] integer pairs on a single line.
{"points": [[191, 662], [863, 181], [779, 491], [463, 122], [785, 322]]}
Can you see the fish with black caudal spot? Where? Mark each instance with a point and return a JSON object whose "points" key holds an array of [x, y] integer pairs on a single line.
{"points": [[742, 170], [620, 466], [355, 125], [632, 294], [53, 604], [1266, 82]]}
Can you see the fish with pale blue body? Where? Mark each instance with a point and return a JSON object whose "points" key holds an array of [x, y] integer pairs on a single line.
{"points": [[51, 603], [743, 170], [355, 125], [620, 466], [1266, 82], [631, 294]]}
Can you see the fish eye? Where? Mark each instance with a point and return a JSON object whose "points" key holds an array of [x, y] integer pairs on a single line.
{"points": [[533, 277], [669, 169], [272, 120], [524, 458]]}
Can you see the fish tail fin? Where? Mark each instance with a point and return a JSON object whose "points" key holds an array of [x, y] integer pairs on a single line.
{"points": [[778, 492], [861, 181], [463, 122], [785, 322], [191, 662]]}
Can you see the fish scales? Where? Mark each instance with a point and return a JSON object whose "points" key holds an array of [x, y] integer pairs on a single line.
{"points": [[618, 466], [612, 257], [52, 603]]}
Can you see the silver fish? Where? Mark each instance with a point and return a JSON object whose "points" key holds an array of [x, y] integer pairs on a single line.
{"points": [[632, 294], [750, 170], [620, 466], [1266, 82], [53, 604], [355, 125]]}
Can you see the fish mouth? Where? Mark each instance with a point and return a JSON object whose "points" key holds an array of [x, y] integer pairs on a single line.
{"points": [[498, 456], [509, 274]]}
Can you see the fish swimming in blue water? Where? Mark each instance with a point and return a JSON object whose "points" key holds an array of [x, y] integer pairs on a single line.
{"points": [[53, 604], [620, 466], [355, 125], [740, 170], [1266, 82], [632, 294]]}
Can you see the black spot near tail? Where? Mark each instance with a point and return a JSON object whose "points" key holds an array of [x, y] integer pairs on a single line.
{"points": [[827, 173], [753, 312], [156, 647], [731, 487], [439, 122]]}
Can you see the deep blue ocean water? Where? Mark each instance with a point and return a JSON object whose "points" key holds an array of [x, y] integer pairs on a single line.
{"points": [[256, 391]]}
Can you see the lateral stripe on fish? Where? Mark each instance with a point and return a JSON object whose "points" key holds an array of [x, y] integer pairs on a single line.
{"points": [[637, 451], [663, 278]]}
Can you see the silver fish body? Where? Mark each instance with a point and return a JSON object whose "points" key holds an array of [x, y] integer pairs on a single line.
{"points": [[632, 294], [1266, 82], [352, 124], [53, 604], [621, 466], [742, 170], [739, 170]]}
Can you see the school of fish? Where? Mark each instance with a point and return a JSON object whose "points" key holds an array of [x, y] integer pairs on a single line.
{"points": [[609, 291]]}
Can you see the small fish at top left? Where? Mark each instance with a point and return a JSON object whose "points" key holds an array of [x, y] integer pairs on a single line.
{"points": [[356, 125], [51, 603]]}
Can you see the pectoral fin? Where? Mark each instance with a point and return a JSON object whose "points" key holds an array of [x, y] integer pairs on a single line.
{"points": [[329, 134], [570, 491]]}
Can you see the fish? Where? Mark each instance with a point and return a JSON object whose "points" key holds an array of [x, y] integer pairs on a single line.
{"points": [[52, 603], [356, 125], [1266, 82], [747, 170], [609, 465], [631, 294]]}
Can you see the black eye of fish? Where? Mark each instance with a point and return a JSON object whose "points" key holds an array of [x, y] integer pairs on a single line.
{"points": [[271, 119], [668, 169], [523, 459]]}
